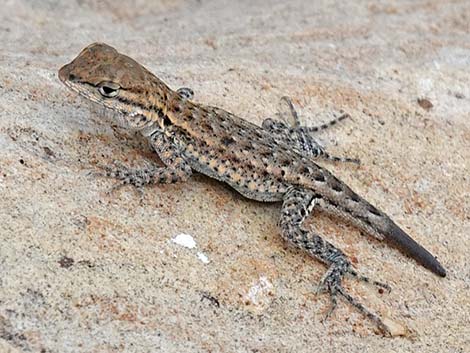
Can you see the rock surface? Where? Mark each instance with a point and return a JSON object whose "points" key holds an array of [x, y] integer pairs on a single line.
{"points": [[85, 271]]}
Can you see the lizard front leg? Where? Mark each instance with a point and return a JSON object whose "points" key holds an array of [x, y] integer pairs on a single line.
{"points": [[297, 205], [176, 168], [298, 136]]}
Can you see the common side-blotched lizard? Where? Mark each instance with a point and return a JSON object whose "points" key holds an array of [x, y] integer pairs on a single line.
{"points": [[272, 163]]}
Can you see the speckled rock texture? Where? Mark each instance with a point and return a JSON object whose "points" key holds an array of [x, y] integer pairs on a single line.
{"points": [[194, 267]]}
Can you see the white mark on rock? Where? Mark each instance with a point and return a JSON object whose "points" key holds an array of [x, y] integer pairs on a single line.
{"points": [[185, 240], [201, 256], [188, 241], [259, 292], [425, 85]]}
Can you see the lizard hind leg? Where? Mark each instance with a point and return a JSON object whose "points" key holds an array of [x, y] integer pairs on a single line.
{"points": [[292, 133], [297, 205], [287, 112]]}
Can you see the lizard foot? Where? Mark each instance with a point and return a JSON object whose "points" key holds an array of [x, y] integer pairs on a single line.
{"points": [[331, 283], [287, 111], [126, 176], [291, 132]]}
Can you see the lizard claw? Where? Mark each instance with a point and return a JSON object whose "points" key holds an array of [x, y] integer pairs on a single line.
{"points": [[331, 158], [331, 283], [100, 172], [334, 304], [365, 279]]}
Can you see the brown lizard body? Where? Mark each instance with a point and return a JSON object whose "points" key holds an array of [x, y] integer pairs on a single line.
{"points": [[273, 163]]}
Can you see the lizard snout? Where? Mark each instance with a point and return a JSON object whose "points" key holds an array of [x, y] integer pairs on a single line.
{"points": [[65, 74]]}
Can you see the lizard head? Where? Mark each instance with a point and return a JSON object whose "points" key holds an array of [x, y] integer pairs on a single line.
{"points": [[113, 80]]}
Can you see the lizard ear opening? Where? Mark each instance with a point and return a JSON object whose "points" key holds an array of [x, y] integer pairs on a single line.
{"points": [[108, 89]]}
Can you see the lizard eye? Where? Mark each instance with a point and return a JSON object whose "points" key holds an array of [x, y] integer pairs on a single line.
{"points": [[108, 89]]}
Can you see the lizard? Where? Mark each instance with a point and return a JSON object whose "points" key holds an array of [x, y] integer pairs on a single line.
{"points": [[272, 163]]}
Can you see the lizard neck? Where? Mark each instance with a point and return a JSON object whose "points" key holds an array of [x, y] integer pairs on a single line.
{"points": [[155, 96], [166, 103], [150, 104]]}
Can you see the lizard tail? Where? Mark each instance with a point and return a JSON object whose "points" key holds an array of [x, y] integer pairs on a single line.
{"points": [[395, 235], [367, 217]]}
